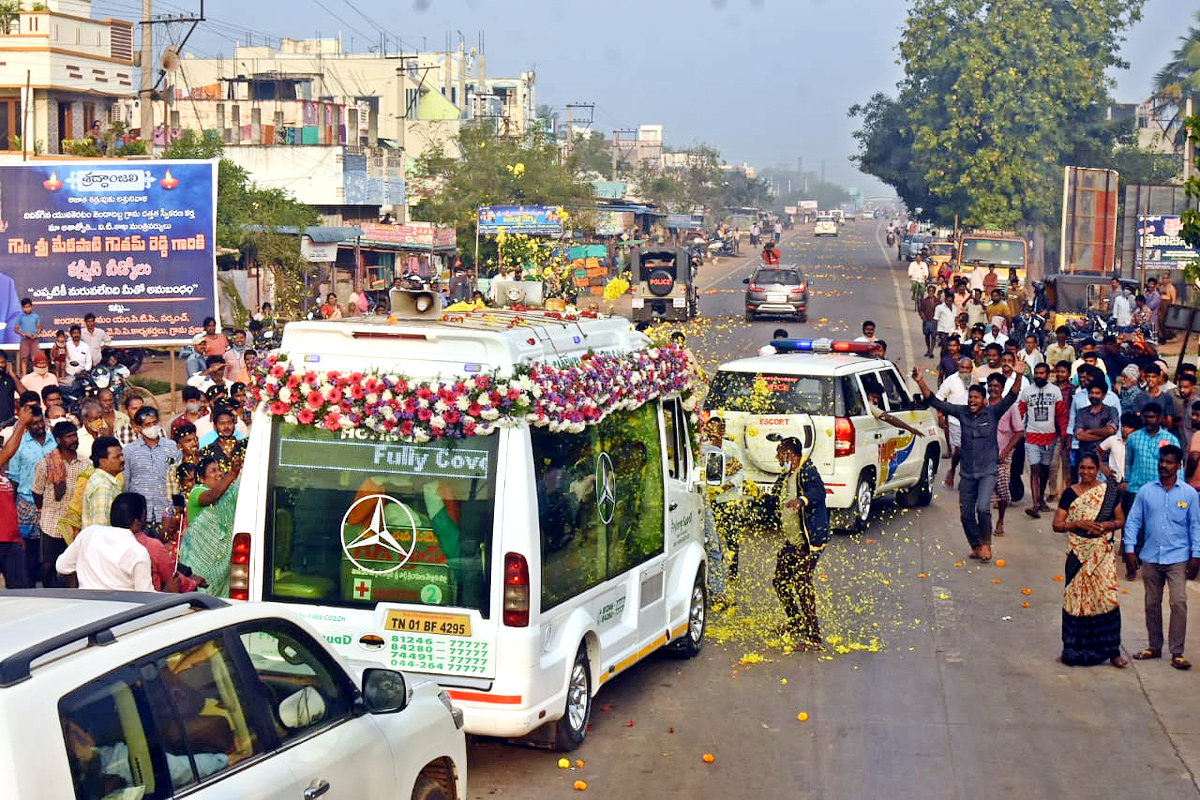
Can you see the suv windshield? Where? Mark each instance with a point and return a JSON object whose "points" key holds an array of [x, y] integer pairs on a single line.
{"points": [[993, 251], [784, 276], [355, 521], [772, 394]]}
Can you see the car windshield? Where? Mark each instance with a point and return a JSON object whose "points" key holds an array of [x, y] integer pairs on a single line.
{"points": [[758, 393], [355, 521], [784, 276]]}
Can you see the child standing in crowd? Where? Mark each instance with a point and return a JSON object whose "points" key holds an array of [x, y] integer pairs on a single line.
{"points": [[29, 328], [58, 354]]}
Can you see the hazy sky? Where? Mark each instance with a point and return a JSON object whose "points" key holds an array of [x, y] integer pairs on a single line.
{"points": [[765, 81]]}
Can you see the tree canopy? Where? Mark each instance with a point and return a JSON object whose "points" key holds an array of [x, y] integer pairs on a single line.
{"points": [[997, 97], [481, 168], [1178, 80]]}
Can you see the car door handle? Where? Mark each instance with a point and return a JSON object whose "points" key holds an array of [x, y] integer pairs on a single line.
{"points": [[316, 789], [674, 506]]}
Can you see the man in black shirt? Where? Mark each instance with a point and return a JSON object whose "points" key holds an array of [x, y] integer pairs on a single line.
{"points": [[10, 388], [980, 455]]}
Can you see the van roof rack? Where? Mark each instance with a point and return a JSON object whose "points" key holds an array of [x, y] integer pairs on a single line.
{"points": [[17, 667]]}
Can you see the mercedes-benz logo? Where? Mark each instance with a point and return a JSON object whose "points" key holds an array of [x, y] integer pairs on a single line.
{"points": [[376, 535], [606, 488]]}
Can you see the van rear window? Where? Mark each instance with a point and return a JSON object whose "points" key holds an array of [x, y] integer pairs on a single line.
{"points": [[772, 394], [357, 521]]}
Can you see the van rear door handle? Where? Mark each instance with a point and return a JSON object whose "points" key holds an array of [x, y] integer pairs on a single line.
{"points": [[674, 506], [316, 789]]}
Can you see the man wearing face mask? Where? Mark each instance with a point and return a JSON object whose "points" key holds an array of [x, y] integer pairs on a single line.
{"points": [[148, 459], [195, 412], [980, 455], [1037, 402], [41, 377]]}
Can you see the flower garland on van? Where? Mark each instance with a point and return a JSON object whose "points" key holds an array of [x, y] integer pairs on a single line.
{"points": [[561, 398]]}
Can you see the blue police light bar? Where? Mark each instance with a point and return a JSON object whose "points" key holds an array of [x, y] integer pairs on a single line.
{"points": [[822, 346]]}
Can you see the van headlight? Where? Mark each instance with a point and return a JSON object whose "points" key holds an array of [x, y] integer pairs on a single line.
{"points": [[455, 713]]}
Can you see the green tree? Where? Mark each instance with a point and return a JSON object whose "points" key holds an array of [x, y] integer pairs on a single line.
{"points": [[1177, 81], [479, 168], [258, 222], [997, 97], [590, 156]]}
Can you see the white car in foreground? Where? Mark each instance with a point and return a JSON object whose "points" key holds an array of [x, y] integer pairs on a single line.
{"points": [[140, 696]]}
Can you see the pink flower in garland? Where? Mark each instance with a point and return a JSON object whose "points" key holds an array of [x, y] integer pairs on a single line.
{"points": [[332, 421], [315, 399], [305, 416]]}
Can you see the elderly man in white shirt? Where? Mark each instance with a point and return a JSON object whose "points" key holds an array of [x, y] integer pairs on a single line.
{"points": [[110, 556], [954, 390], [80, 357]]}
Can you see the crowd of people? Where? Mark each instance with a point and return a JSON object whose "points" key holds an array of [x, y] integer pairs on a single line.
{"points": [[112, 495], [1107, 435]]}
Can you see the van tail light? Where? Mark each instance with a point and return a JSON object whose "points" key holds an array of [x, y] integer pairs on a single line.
{"points": [[843, 437], [754, 287], [239, 567], [516, 591], [801, 287]]}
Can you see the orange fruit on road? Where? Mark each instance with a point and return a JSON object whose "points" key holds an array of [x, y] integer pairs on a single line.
{"points": [[1000, 562], [708, 758]]}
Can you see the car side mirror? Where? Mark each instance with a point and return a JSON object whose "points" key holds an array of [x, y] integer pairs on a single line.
{"points": [[714, 469], [385, 691]]}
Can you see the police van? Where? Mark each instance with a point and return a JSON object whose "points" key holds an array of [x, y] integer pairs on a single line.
{"points": [[504, 501], [816, 390]]}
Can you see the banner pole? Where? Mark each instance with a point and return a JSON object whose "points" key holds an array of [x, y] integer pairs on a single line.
{"points": [[173, 354]]}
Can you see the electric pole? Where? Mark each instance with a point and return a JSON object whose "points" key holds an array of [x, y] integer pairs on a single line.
{"points": [[146, 90]]}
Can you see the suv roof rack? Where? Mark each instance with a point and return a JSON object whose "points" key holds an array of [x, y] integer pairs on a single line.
{"points": [[17, 667]]}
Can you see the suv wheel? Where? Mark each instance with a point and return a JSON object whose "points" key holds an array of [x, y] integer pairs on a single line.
{"points": [[929, 470], [432, 787], [749, 315], [860, 512]]}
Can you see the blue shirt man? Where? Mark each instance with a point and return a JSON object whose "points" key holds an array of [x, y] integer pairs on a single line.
{"points": [[1079, 400], [1163, 531], [148, 461], [1143, 446], [35, 444]]}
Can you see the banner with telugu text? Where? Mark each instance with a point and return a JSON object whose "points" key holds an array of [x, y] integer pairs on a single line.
{"points": [[132, 242]]}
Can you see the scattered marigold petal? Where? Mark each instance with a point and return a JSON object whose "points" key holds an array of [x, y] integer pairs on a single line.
{"points": [[1027, 590], [958, 564], [708, 758], [802, 716], [1058, 578], [580, 786], [995, 580], [922, 575], [1000, 562], [564, 763], [1025, 604]]}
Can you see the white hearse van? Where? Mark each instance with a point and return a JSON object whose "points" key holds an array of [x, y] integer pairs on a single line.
{"points": [[504, 501]]}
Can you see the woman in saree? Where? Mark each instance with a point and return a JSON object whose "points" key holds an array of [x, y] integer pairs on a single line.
{"points": [[207, 543], [1090, 514]]}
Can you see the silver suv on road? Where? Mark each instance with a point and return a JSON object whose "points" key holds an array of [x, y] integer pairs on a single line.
{"points": [[777, 291]]}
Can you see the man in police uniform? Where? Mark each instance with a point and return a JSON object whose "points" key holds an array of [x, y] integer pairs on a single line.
{"points": [[804, 521]]}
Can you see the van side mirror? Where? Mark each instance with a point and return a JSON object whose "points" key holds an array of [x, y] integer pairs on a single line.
{"points": [[746, 280], [714, 469]]}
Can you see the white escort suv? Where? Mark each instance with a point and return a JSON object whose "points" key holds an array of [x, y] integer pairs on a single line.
{"points": [[817, 391]]}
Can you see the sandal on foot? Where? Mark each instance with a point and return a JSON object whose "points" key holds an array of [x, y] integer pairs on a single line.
{"points": [[1147, 654], [1179, 662], [1118, 662]]}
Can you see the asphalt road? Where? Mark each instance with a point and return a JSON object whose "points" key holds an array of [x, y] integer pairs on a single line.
{"points": [[938, 681]]}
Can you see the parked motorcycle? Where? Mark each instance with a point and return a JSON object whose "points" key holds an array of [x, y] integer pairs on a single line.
{"points": [[130, 358], [88, 384]]}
